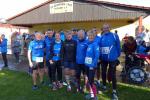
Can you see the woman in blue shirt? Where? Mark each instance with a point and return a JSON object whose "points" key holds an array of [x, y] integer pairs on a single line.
{"points": [[91, 60], [55, 61]]}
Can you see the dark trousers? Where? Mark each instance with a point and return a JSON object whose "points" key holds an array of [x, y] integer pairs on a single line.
{"points": [[98, 71], [4, 56], [80, 68], [112, 71], [49, 70], [17, 56], [90, 74], [56, 67]]}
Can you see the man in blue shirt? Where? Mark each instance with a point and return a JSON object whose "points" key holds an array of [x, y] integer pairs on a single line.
{"points": [[48, 42], [35, 57], [74, 34], [3, 50]]}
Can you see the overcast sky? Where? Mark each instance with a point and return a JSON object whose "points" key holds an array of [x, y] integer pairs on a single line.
{"points": [[145, 3], [9, 8]]}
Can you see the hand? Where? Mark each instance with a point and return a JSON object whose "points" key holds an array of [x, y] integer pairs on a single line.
{"points": [[51, 62], [31, 64]]}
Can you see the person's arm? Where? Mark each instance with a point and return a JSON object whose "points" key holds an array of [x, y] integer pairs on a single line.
{"points": [[51, 52], [118, 45], [97, 54], [4, 43], [62, 53], [29, 55]]}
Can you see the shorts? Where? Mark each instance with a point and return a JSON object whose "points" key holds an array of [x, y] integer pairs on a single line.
{"points": [[37, 65], [69, 65]]}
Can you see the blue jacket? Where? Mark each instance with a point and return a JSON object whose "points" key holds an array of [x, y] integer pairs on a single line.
{"points": [[97, 39], [92, 54], [3, 46], [141, 49], [74, 37], [48, 41], [37, 49], [62, 36], [109, 47], [80, 53]]}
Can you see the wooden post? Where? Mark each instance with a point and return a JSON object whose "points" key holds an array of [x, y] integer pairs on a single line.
{"points": [[140, 24]]}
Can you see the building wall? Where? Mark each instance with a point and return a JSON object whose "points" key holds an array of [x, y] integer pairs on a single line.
{"points": [[80, 25]]}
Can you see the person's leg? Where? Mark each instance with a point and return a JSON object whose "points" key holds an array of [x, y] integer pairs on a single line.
{"points": [[17, 57], [41, 72], [78, 74], [49, 70], [59, 74], [59, 71], [67, 78], [15, 54], [112, 66], [66, 72], [34, 76], [104, 70], [4, 56], [114, 82], [73, 73], [53, 72], [53, 75], [92, 87], [109, 76], [98, 72]]}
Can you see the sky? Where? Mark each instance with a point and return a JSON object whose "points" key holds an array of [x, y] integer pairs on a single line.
{"points": [[145, 3], [9, 8]]}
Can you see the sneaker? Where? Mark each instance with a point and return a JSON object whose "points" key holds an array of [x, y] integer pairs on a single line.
{"points": [[54, 87], [79, 89], [114, 96], [68, 88], [104, 89], [91, 97], [64, 83], [59, 85], [34, 87]]}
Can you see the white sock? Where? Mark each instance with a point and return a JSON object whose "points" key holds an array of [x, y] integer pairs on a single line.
{"points": [[114, 90], [99, 81]]}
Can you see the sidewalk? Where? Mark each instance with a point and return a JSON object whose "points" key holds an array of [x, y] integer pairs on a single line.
{"points": [[22, 66]]}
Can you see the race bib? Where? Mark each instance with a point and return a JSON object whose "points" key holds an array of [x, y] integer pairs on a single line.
{"points": [[105, 50], [39, 59], [88, 60]]}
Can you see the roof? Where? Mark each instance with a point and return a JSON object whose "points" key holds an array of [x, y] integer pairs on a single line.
{"points": [[131, 11]]}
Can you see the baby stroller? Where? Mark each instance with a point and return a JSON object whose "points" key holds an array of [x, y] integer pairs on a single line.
{"points": [[133, 71]]}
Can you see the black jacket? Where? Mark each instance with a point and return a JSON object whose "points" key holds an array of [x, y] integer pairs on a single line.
{"points": [[69, 50]]}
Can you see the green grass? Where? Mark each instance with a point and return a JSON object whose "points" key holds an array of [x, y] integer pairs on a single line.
{"points": [[17, 86]]}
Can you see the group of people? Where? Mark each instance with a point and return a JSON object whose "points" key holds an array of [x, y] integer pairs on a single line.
{"points": [[65, 56], [80, 53]]}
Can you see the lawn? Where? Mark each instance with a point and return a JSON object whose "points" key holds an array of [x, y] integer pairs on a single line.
{"points": [[17, 86]]}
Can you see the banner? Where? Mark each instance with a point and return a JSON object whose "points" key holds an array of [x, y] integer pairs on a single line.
{"points": [[61, 7]]}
